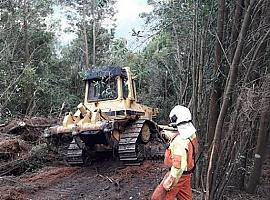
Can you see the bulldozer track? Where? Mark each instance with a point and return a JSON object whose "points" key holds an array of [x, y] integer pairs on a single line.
{"points": [[127, 145], [132, 151], [74, 153]]}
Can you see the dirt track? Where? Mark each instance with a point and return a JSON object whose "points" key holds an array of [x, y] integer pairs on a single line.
{"points": [[102, 180], [106, 179]]}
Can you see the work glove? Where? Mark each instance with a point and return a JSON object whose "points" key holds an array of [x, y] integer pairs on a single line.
{"points": [[169, 183], [165, 136]]}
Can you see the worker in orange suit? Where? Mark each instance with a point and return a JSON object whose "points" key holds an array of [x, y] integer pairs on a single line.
{"points": [[179, 157]]}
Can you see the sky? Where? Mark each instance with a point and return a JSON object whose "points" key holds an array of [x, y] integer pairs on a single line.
{"points": [[127, 19]]}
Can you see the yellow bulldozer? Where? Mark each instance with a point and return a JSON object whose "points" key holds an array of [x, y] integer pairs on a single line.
{"points": [[111, 119]]}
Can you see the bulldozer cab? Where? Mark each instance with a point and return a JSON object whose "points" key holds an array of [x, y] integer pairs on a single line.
{"points": [[111, 83], [113, 91]]}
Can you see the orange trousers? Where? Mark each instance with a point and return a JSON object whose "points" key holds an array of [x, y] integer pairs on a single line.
{"points": [[182, 190]]}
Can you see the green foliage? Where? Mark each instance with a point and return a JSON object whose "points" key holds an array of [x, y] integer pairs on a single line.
{"points": [[33, 84], [118, 53]]}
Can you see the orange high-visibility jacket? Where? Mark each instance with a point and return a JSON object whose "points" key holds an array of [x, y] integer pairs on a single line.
{"points": [[180, 156]]}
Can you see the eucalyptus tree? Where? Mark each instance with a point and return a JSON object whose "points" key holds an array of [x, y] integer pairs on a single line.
{"points": [[25, 47], [211, 46], [186, 24], [238, 120], [170, 21], [95, 17]]}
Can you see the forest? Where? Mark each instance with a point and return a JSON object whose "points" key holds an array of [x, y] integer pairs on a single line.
{"points": [[212, 56]]}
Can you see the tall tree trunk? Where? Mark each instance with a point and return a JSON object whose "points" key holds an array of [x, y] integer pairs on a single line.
{"points": [[179, 66], [93, 7], [195, 76], [200, 71], [216, 91], [28, 90], [236, 26], [231, 80], [25, 31], [263, 137], [194, 98], [86, 55], [214, 105]]}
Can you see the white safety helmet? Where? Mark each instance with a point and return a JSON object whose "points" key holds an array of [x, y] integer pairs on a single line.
{"points": [[180, 117]]}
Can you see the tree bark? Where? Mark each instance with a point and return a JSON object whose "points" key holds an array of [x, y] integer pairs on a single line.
{"points": [[29, 89], [86, 55], [94, 33], [236, 26], [178, 59], [263, 137], [216, 91], [25, 31], [231, 80], [195, 67]]}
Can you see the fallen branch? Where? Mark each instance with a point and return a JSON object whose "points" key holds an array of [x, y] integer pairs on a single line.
{"points": [[109, 179], [17, 125], [197, 191], [105, 177], [2, 125], [115, 182], [9, 179], [22, 124], [31, 160]]}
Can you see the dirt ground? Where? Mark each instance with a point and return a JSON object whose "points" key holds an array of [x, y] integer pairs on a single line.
{"points": [[29, 171], [104, 179]]}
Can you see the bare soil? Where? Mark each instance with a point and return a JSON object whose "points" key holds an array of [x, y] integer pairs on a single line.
{"points": [[104, 179], [30, 171]]}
